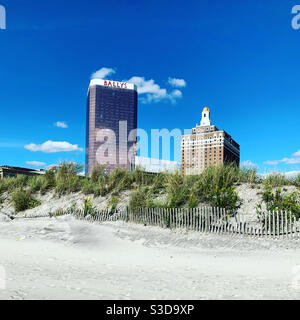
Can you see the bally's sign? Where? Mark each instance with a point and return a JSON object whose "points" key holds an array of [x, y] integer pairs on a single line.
{"points": [[112, 84]]}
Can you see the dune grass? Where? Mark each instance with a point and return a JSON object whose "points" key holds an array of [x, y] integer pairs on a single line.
{"points": [[216, 186], [23, 200]]}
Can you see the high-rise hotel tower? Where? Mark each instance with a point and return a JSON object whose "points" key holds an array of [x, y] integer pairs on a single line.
{"points": [[111, 124], [207, 146]]}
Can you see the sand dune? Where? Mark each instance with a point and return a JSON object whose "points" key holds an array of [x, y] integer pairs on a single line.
{"points": [[61, 258]]}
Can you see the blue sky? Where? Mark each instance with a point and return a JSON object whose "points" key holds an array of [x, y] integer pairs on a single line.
{"points": [[241, 58]]}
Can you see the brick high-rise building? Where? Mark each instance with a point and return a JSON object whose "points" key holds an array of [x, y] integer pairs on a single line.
{"points": [[207, 146], [111, 121]]}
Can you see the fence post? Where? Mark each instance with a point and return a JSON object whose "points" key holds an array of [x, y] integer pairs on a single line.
{"points": [[269, 218], [217, 221], [210, 211], [266, 224], [277, 223], [206, 219], [290, 224], [200, 219], [220, 224], [294, 227], [286, 223], [273, 218], [281, 222], [127, 214], [224, 221], [213, 219], [203, 219]]}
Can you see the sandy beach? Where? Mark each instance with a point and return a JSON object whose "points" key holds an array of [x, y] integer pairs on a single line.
{"points": [[62, 258]]}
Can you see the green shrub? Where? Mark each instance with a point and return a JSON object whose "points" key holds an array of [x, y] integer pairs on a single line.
{"points": [[143, 178], [49, 179], [12, 183], [227, 198], [138, 199], [72, 184], [67, 179], [88, 186], [177, 190], [100, 189], [297, 180], [1, 198], [120, 180], [276, 179], [113, 203], [277, 201], [23, 200], [36, 183], [88, 207], [193, 201], [98, 173], [216, 187]]}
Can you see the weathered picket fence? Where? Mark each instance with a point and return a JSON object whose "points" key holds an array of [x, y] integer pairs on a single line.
{"points": [[204, 219]]}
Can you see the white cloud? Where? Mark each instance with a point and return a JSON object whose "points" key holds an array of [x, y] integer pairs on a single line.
{"points": [[296, 154], [148, 90], [53, 147], [295, 159], [152, 92], [176, 93], [35, 163], [248, 164], [102, 73], [177, 83], [272, 162], [61, 124]]}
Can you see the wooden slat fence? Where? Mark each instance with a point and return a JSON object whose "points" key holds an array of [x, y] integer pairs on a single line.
{"points": [[204, 219]]}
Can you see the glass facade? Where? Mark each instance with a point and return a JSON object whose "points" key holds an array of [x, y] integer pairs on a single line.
{"points": [[110, 109]]}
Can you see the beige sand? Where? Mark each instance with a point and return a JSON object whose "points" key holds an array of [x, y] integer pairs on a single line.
{"points": [[61, 258]]}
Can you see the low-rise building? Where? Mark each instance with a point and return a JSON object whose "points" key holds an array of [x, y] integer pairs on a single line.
{"points": [[8, 171]]}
